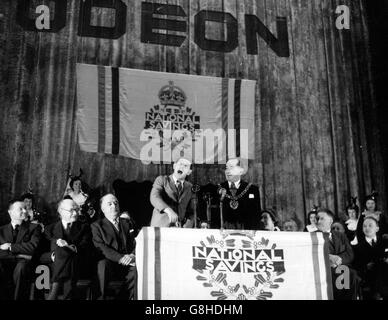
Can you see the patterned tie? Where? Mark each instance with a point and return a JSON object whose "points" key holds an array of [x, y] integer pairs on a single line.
{"points": [[233, 189], [116, 224], [179, 187]]}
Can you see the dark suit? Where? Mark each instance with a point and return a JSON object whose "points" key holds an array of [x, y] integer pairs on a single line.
{"points": [[12, 265], [68, 265], [112, 246], [339, 245], [164, 194], [369, 262], [247, 215]]}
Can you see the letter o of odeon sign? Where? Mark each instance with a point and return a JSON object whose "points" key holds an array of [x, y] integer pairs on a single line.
{"points": [[24, 20]]}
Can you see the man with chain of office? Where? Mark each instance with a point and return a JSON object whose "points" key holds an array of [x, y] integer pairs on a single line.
{"points": [[241, 200]]}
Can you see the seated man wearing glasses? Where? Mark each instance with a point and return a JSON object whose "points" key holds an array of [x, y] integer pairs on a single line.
{"points": [[70, 245]]}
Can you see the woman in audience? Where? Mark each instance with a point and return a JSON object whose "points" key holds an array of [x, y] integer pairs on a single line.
{"points": [[76, 193], [372, 211], [33, 215], [352, 211], [311, 218], [290, 226], [268, 220]]}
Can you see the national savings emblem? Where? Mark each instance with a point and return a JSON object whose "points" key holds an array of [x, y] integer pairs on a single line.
{"points": [[237, 266], [172, 114]]}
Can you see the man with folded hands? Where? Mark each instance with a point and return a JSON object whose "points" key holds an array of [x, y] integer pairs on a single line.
{"points": [[71, 245]]}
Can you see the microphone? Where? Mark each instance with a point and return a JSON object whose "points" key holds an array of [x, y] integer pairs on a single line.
{"points": [[222, 193]]}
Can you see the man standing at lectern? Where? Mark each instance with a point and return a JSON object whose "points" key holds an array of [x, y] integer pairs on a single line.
{"points": [[241, 200], [172, 198]]}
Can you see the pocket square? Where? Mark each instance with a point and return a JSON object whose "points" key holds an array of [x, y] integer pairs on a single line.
{"points": [[251, 196]]}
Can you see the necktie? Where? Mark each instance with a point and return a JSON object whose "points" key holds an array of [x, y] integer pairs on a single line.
{"points": [[179, 187], [116, 224], [15, 232], [233, 189], [373, 242], [67, 229]]}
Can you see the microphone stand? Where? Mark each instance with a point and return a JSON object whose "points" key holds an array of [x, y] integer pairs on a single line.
{"points": [[222, 212], [194, 189], [208, 199]]}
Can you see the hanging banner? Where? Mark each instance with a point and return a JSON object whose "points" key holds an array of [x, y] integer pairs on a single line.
{"points": [[188, 264], [159, 117]]}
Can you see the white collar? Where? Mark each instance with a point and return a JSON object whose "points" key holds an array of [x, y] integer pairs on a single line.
{"points": [[369, 240], [64, 224], [176, 180], [15, 224], [237, 184], [114, 221]]}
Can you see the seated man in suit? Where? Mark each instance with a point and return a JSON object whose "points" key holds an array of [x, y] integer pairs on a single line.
{"points": [[18, 242], [241, 206], [113, 237], [172, 198], [340, 254], [70, 247], [371, 261]]}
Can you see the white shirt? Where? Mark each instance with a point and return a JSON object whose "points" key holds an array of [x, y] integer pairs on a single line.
{"points": [[65, 224], [369, 240], [176, 180], [14, 225], [79, 198], [237, 184]]}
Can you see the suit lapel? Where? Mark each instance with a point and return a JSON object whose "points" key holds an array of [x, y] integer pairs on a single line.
{"points": [[186, 190], [124, 231], [110, 229], [173, 189], [22, 231], [242, 187], [58, 230], [9, 233]]}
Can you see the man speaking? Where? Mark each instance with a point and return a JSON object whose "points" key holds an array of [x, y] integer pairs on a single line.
{"points": [[171, 197]]}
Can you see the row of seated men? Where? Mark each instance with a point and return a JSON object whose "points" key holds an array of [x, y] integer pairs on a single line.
{"points": [[104, 249], [172, 199]]}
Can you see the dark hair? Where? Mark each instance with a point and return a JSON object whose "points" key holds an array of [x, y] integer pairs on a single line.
{"points": [[272, 214], [74, 180], [328, 212], [373, 197], [353, 206], [309, 215], [27, 196]]}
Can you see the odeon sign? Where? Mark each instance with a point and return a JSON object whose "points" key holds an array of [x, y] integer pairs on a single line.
{"points": [[153, 20]]}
